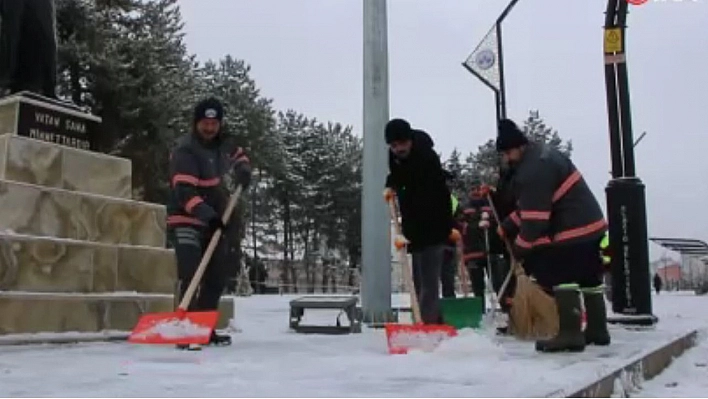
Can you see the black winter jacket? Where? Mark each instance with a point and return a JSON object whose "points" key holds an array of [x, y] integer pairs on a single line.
{"points": [[504, 203], [198, 172], [423, 196], [475, 246], [555, 205]]}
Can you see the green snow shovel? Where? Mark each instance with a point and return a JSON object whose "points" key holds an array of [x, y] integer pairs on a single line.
{"points": [[465, 312]]}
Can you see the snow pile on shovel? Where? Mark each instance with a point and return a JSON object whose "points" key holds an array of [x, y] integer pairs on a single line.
{"points": [[469, 341], [174, 329], [418, 340]]}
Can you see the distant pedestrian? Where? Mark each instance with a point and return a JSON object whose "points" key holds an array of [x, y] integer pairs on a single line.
{"points": [[658, 283]]}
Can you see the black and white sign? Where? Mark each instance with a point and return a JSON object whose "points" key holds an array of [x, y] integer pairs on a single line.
{"points": [[48, 122]]}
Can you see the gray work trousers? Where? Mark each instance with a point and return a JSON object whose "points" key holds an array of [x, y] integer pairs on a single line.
{"points": [[427, 264]]}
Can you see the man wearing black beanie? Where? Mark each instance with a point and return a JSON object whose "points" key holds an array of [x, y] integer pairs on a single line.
{"points": [[556, 230], [416, 178], [200, 164]]}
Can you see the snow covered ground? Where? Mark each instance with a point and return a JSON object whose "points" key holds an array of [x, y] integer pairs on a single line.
{"points": [[687, 376], [268, 360]]}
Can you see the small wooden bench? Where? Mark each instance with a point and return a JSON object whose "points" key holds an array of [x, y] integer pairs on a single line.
{"points": [[347, 304]]}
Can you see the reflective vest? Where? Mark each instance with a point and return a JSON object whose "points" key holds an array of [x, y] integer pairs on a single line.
{"points": [[604, 249], [455, 203]]}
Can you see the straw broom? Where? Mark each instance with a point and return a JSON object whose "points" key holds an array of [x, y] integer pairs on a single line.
{"points": [[533, 313]]}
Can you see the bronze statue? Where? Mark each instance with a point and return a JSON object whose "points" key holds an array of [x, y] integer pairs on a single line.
{"points": [[28, 46]]}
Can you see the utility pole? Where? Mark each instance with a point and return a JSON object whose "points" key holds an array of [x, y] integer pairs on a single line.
{"points": [[375, 237], [626, 202]]}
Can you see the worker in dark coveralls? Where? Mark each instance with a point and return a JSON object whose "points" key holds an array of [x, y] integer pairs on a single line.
{"points": [[200, 165], [556, 231]]}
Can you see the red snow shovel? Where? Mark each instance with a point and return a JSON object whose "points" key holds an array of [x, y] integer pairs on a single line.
{"points": [[403, 337], [181, 327]]}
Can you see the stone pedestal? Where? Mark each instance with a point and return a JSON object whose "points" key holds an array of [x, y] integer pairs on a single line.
{"points": [[57, 166], [77, 254], [31, 115]]}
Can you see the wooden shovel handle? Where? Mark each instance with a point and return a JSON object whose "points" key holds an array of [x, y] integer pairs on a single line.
{"points": [[405, 266], [209, 252], [514, 264], [462, 271]]}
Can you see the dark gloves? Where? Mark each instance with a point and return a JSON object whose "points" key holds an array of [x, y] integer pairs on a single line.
{"points": [[215, 223], [241, 167], [243, 173]]}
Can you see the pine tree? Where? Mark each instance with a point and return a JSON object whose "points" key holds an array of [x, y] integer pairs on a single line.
{"points": [[126, 61], [485, 164], [352, 171], [248, 115], [536, 130], [456, 168], [342, 184], [249, 120], [287, 189]]}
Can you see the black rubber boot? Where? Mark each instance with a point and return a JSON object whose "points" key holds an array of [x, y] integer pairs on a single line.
{"points": [[219, 339], [570, 336], [596, 332]]}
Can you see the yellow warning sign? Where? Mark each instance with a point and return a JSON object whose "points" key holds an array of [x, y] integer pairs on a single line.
{"points": [[613, 40]]}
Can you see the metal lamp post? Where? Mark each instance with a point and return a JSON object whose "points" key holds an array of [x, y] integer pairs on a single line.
{"points": [[626, 202], [375, 238]]}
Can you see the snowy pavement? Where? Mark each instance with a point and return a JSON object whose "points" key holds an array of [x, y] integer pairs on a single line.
{"points": [[687, 376], [268, 360]]}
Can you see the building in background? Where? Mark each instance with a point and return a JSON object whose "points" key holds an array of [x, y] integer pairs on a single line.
{"points": [[670, 272]]}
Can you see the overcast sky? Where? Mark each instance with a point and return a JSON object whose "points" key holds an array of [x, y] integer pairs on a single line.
{"points": [[307, 55]]}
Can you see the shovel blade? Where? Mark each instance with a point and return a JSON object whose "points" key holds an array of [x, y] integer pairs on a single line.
{"points": [[402, 338], [178, 328], [462, 312]]}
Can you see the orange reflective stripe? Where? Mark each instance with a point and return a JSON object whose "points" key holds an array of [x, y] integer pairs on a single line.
{"points": [[535, 215], [515, 218], [193, 202], [566, 185], [566, 235], [209, 182], [581, 231], [523, 243], [188, 179], [180, 219], [528, 245], [194, 181], [469, 211], [472, 255]]}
